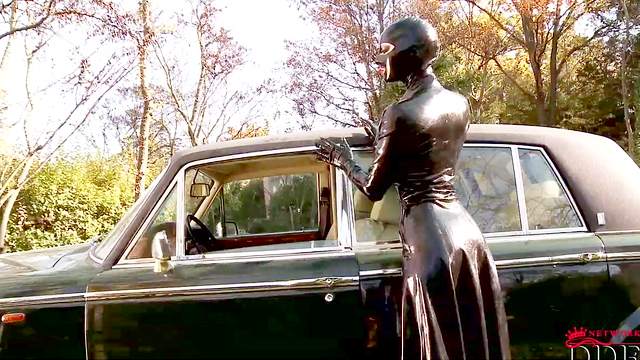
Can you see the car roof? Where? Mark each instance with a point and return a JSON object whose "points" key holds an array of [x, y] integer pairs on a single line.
{"points": [[601, 177]]}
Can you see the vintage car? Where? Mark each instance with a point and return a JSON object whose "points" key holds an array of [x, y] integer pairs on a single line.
{"points": [[254, 249]]}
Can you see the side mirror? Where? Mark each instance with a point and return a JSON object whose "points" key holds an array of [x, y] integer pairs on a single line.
{"points": [[161, 253], [200, 190]]}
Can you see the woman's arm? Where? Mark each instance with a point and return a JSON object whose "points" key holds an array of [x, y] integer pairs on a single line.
{"points": [[380, 176]]}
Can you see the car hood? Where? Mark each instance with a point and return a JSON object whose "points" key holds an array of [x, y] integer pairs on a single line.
{"points": [[36, 260]]}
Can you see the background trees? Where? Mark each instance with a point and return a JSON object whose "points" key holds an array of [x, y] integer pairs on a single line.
{"points": [[333, 76]]}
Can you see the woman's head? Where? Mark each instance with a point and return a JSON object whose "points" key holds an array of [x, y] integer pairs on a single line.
{"points": [[407, 47]]}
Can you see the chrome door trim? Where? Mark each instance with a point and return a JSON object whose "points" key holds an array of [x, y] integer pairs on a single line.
{"points": [[285, 285], [576, 259], [14, 302], [284, 255], [300, 284], [623, 256], [571, 259], [378, 273]]}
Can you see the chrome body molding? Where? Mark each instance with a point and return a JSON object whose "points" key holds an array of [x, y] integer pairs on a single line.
{"points": [[301, 284], [552, 260], [622, 256], [374, 274], [288, 285], [576, 259], [15, 302]]}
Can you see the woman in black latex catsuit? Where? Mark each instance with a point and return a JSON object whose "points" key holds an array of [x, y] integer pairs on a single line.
{"points": [[452, 306]]}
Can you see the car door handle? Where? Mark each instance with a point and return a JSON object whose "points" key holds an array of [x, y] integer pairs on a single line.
{"points": [[331, 282], [589, 257]]}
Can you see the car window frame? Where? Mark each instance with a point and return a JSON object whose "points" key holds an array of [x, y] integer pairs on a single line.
{"points": [[343, 219], [561, 182], [522, 209]]}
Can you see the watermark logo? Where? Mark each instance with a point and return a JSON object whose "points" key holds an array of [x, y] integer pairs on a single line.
{"points": [[599, 344]]}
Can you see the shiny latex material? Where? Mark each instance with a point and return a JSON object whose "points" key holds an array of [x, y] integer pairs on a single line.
{"points": [[414, 44], [452, 303]]}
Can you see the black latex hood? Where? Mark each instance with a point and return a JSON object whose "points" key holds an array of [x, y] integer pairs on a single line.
{"points": [[408, 46]]}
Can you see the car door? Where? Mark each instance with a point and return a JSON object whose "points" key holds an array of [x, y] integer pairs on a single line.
{"points": [[553, 272], [283, 296]]}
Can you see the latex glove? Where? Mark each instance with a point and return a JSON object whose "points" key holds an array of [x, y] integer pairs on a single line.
{"points": [[334, 151]]}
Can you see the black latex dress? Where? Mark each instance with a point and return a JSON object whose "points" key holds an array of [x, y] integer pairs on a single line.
{"points": [[452, 306], [451, 303]]}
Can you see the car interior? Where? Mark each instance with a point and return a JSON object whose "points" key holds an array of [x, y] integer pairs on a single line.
{"points": [[259, 204]]}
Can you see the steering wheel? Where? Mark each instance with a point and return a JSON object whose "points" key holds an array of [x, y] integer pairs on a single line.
{"points": [[198, 244]]}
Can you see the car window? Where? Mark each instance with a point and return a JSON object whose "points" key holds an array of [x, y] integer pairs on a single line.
{"points": [[272, 204], [164, 219], [281, 210], [548, 206], [485, 184]]}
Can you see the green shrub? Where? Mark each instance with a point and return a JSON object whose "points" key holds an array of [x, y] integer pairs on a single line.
{"points": [[70, 202]]}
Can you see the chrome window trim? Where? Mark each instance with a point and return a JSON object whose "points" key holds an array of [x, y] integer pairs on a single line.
{"points": [[522, 204], [180, 221], [344, 242], [147, 220], [335, 252], [344, 206], [258, 253]]}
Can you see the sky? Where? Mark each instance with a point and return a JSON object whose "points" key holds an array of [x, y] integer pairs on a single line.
{"points": [[262, 27]]}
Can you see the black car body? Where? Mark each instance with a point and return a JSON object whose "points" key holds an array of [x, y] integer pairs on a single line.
{"points": [[297, 264]]}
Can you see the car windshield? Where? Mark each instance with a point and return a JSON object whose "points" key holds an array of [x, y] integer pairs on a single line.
{"points": [[108, 242]]}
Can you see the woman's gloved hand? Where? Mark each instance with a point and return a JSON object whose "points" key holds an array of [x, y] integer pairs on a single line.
{"points": [[334, 151]]}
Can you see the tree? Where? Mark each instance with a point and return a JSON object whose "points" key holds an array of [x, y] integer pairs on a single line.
{"points": [[83, 88], [142, 45], [546, 32], [333, 77], [206, 105]]}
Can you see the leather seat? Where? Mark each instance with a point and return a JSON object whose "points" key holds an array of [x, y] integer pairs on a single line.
{"points": [[383, 221]]}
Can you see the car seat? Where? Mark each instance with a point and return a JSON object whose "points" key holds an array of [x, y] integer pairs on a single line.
{"points": [[383, 221]]}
